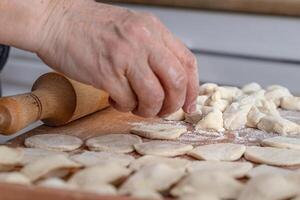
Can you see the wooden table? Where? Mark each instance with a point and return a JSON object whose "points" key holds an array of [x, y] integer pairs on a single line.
{"points": [[275, 7]]}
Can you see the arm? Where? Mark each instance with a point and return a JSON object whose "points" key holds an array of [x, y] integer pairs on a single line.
{"points": [[130, 55]]}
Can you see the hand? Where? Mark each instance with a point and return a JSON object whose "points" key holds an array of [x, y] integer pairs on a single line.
{"points": [[130, 55]]}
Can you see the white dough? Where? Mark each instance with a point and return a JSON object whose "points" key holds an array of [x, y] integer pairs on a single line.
{"points": [[266, 169], [42, 167], [146, 194], [156, 177], [278, 125], [177, 163], [201, 100], [276, 93], [254, 116], [218, 152], [162, 148], [234, 169], [99, 175], [10, 157], [273, 156], [269, 187], [211, 121], [214, 183], [207, 88], [268, 108], [228, 93], [282, 142], [159, 131], [199, 196], [235, 116], [176, 116], [120, 143], [14, 177], [251, 87], [91, 158], [58, 142], [290, 103], [55, 182], [33, 154]]}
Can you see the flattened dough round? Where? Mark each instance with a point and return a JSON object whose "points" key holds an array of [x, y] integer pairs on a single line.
{"points": [[58, 142], [282, 142], [33, 154], [159, 131], [92, 158], [120, 143], [10, 156], [266, 169], [273, 156], [234, 169], [218, 152], [162, 148]]}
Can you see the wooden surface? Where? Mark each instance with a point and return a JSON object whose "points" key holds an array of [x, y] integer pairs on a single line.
{"points": [[277, 7]]}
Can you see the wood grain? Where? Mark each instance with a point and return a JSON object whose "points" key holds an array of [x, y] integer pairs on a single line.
{"points": [[275, 7]]}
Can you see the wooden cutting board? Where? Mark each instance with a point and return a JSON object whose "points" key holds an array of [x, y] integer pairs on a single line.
{"points": [[276, 7]]}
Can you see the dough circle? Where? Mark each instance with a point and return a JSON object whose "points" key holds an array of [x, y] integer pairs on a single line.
{"points": [[159, 131], [282, 142], [162, 148], [218, 152], [119, 143], [273, 156], [58, 142]]}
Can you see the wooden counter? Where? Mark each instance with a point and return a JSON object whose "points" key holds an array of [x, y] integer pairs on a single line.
{"points": [[275, 7]]}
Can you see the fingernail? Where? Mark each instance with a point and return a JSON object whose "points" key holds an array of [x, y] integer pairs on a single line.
{"points": [[192, 107]]}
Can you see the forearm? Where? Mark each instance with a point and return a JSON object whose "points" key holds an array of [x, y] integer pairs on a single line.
{"points": [[20, 22]]}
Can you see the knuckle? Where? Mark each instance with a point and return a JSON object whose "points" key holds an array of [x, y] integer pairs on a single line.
{"points": [[151, 17], [179, 81], [190, 60]]}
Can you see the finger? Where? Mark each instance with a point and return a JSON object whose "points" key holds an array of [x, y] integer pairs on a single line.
{"points": [[149, 92], [122, 98], [188, 60], [171, 75]]}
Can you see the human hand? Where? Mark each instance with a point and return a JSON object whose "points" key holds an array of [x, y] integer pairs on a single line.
{"points": [[130, 55]]}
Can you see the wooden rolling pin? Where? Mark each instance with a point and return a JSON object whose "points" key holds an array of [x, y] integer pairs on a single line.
{"points": [[55, 99]]}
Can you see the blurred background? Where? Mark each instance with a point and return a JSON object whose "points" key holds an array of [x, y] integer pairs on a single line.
{"points": [[235, 42]]}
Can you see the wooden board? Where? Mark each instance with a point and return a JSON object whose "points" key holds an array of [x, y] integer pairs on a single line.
{"points": [[276, 7]]}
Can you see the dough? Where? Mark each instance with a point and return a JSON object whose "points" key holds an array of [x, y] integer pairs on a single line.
{"points": [[147, 194], [99, 175], [218, 152], [48, 165], [276, 93], [235, 116], [159, 131], [162, 148], [120, 143], [290, 103], [219, 104], [55, 182], [234, 169], [10, 157], [278, 125], [207, 88], [198, 196], [273, 156], [156, 177], [251, 87], [254, 116], [229, 93], [201, 100], [14, 177], [91, 158], [268, 108], [177, 163], [176, 116], [218, 184], [33, 154], [58, 142], [102, 189], [212, 120], [266, 169], [282, 142], [269, 187]]}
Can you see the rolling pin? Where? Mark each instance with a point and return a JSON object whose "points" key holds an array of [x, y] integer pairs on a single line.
{"points": [[55, 99]]}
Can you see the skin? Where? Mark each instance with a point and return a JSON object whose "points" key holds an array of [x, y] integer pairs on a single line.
{"points": [[131, 55]]}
